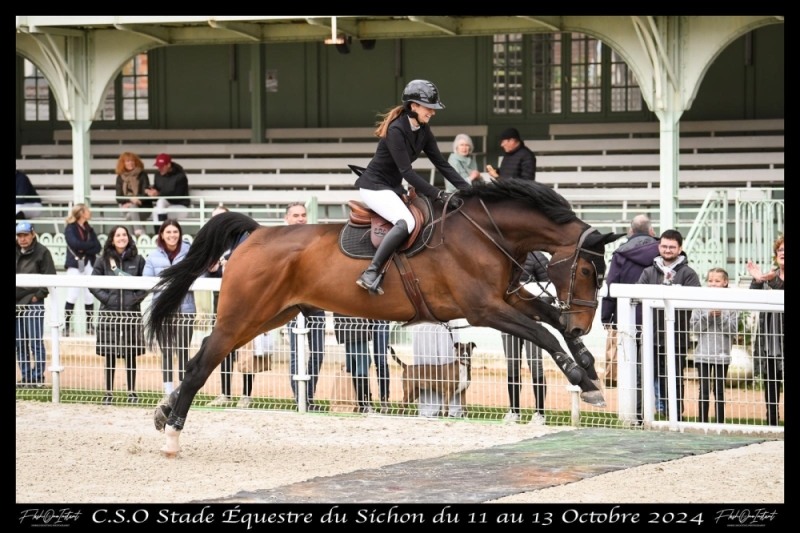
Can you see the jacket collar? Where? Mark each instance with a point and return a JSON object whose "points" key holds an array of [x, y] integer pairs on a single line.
{"points": [[409, 134]]}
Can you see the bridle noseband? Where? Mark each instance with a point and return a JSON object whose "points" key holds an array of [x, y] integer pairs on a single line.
{"points": [[579, 249]]}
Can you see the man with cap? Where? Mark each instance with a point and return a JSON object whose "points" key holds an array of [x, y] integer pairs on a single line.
{"points": [[519, 161], [170, 181], [32, 258]]}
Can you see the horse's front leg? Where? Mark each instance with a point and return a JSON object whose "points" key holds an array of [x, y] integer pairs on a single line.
{"points": [[543, 311], [508, 319]]}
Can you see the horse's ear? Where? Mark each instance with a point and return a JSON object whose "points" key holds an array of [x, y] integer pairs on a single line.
{"points": [[612, 237]]}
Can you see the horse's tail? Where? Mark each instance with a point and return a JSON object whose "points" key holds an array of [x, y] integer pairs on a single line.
{"points": [[213, 239]]}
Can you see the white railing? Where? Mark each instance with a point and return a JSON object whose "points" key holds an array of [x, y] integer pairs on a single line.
{"points": [[669, 298], [488, 393]]}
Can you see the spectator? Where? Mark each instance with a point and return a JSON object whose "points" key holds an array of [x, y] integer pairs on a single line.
{"points": [[119, 329], [380, 344], [769, 342], [29, 205], [463, 161], [355, 334], [627, 264], [32, 258], [434, 344], [132, 186], [82, 249], [715, 329], [669, 268], [171, 181], [171, 249], [260, 343], [535, 271], [315, 322], [519, 161], [403, 134]]}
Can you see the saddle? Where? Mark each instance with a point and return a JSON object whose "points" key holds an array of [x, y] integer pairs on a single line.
{"points": [[362, 215], [352, 242]]}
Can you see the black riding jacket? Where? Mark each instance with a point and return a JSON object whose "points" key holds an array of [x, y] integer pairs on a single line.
{"points": [[393, 158]]}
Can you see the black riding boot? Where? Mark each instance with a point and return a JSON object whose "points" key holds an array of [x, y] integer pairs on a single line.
{"points": [[370, 279], [68, 310]]}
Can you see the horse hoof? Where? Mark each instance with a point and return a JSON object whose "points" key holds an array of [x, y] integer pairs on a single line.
{"points": [[594, 397], [160, 416], [169, 454]]}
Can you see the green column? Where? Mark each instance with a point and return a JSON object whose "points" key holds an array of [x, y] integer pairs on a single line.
{"points": [[256, 94]]}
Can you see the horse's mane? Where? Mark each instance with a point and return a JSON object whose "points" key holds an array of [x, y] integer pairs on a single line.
{"points": [[539, 196]]}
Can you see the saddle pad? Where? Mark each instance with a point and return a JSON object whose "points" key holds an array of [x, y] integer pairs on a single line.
{"points": [[356, 241]]}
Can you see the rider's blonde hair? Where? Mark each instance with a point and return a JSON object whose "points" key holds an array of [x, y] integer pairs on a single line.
{"points": [[386, 119]]}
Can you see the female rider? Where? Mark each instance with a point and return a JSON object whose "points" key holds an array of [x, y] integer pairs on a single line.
{"points": [[403, 135]]}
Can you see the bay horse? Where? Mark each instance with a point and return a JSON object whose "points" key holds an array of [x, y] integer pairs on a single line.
{"points": [[468, 272]]}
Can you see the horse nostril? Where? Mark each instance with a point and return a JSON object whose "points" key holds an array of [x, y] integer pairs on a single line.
{"points": [[577, 332]]}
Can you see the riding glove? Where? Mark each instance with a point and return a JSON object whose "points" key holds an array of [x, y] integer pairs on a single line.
{"points": [[450, 201]]}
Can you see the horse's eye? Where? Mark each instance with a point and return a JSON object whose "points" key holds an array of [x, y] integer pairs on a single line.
{"points": [[586, 272]]}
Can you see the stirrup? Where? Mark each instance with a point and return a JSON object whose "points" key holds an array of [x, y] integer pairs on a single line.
{"points": [[375, 288]]}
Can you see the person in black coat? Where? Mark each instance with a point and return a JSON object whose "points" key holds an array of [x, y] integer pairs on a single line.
{"points": [[519, 161], [535, 270], [170, 181], [768, 354], [404, 134], [119, 329], [82, 249]]}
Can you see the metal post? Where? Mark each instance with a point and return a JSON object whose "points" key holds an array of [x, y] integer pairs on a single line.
{"points": [[648, 362], [300, 358], [55, 328], [672, 385], [575, 391], [626, 361]]}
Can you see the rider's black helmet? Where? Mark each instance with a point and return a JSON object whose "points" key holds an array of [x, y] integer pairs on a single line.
{"points": [[422, 92]]}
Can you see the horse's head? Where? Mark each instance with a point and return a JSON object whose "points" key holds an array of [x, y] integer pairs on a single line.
{"points": [[578, 275]]}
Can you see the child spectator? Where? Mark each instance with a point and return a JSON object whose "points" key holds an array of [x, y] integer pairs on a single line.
{"points": [[715, 329]]}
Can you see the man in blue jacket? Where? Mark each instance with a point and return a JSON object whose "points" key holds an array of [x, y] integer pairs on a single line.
{"points": [[627, 265]]}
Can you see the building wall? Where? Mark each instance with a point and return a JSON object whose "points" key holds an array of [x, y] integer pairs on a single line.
{"points": [[317, 86]]}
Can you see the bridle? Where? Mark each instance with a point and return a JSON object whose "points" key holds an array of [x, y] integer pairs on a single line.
{"points": [[579, 249], [563, 305]]}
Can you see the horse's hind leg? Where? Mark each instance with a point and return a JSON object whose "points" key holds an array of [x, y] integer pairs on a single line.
{"points": [[227, 335]]}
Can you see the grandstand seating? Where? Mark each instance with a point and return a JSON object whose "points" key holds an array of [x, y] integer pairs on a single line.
{"points": [[588, 163]]}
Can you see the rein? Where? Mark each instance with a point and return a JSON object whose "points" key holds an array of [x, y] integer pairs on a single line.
{"points": [[502, 249], [563, 305]]}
